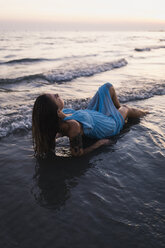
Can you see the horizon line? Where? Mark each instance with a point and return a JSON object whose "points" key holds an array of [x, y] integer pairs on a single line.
{"points": [[124, 24]]}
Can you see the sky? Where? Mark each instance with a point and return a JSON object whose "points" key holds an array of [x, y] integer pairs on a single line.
{"points": [[114, 13]]}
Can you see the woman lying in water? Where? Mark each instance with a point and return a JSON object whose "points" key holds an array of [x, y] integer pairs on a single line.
{"points": [[103, 118]]}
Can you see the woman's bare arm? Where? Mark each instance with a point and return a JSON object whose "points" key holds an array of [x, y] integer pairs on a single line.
{"points": [[76, 145], [96, 145]]}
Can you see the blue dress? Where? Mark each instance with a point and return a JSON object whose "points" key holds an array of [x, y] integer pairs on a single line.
{"points": [[101, 119]]}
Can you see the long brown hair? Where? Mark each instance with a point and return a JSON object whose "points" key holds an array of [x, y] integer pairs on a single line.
{"points": [[45, 125]]}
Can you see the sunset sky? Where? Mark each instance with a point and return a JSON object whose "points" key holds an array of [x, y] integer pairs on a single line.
{"points": [[104, 12]]}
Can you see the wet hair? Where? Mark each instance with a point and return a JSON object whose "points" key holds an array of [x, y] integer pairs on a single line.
{"points": [[45, 125]]}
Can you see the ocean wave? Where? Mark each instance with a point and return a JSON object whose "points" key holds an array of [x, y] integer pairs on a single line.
{"points": [[15, 122], [85, 40], [148, 48], [35, 60], [68, 74], [5, 90], [142, 93], [24, 60], [142, 49], [18, 119]]}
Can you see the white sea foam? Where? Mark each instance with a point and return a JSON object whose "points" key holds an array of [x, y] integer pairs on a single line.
{"points": [[69, 72]]}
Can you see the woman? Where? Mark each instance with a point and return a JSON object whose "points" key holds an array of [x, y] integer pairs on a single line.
{"points": [[103, 118]]}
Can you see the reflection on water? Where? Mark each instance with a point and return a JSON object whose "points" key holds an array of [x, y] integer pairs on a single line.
{"points": [[54, 179]]}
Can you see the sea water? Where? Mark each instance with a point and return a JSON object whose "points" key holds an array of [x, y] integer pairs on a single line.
{"points": [[75, 64], [113, 197]]}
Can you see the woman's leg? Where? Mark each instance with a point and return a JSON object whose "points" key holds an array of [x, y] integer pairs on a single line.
{"points": [[114, 97], [128, 112]]}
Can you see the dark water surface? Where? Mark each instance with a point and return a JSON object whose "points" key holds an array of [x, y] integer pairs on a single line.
{"points": [[113, 197]]}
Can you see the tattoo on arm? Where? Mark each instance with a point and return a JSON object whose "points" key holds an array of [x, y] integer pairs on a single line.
{"points": [[76, 144]]}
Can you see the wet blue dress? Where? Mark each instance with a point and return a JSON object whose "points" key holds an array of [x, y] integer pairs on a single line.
{"points": [[101, 119]]}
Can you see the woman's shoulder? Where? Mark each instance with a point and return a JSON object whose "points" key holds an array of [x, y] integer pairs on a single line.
{"points": [[74, 128]]}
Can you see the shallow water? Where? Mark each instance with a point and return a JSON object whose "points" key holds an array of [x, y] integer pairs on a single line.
{"points": [[113, 197]]}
